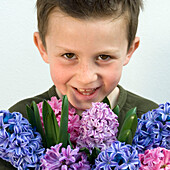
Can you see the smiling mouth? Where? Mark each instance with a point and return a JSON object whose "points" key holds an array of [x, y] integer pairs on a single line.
{"points": [[86, 92]]}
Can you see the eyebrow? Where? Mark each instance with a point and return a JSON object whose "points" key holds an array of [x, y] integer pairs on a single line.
{"points": [[108, 51]]}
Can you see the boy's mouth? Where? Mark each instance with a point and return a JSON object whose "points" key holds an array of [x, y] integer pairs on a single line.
{"points": [[86, 92]]}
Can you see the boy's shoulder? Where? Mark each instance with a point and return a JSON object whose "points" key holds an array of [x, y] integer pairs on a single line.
{"points": [[21, 105], [128, 100]]}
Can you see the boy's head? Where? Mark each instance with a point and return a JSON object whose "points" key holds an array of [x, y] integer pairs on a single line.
{"points": [[87, 43], [87, 9]]}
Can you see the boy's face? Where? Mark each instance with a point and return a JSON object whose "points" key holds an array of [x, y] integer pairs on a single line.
{"points": [[86, 57]]}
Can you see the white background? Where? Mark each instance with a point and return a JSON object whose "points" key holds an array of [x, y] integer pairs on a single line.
{"points": [[24, 74]]}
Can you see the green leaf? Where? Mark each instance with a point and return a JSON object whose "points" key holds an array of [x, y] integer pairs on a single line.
{"points": [[126, 136], [63, 134], [130, 123], [135, 122], [130, 112], [38, 123], [134, 126], [56, 127], [31, 116], [97, 151], [116, 110], [93, 156], [85, 150], [106, 100], [50, 124], [69, 142]]}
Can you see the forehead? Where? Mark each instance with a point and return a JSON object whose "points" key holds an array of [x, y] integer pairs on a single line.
{"points": [[74, 33], [63, 18]]}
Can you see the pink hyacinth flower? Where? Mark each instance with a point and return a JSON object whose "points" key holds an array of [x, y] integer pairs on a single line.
{"points": [[57, 158], [73, 118], [99, 127], [155, 159]]}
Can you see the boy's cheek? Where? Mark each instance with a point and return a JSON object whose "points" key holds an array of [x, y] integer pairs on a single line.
{"points": [[59, 79]]}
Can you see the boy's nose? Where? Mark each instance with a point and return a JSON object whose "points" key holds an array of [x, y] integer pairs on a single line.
{"points": [[87, 73]]}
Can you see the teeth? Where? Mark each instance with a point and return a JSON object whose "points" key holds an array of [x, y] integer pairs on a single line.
{"points": [[81, 90], [86, 92], [89, 90]]}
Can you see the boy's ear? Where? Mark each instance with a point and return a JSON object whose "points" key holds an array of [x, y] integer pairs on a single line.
{"points": [[40, 46], [131, 50]]}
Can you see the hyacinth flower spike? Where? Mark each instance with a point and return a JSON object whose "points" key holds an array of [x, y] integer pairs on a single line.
{"points": [[53, 133], [119, 156], [94, 137], [128, 129], [153, 129], [19, 143]]}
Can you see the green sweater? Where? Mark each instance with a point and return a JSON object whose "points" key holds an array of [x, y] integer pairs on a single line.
{"points": [[126, 101]]}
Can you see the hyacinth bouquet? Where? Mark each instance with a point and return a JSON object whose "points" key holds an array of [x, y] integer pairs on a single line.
{"points": [[64, 140]]}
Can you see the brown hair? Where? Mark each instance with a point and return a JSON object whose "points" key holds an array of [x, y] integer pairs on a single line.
{"points": [[84, 9]]}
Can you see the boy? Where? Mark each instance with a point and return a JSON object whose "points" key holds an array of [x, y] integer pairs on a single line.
{"points": [[86, 44]]}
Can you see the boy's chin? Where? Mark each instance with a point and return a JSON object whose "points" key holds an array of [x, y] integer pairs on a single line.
{"points": [[82, 107]]}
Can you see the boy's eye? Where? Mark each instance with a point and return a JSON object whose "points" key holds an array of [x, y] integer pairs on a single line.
{"points": [[104, 57], [69, 55]]}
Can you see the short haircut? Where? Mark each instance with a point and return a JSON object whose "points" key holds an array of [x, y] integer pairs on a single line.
{"points": [[84, 9]]}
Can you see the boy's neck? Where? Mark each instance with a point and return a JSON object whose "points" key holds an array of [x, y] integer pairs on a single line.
{"points": [[113, 98]]}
